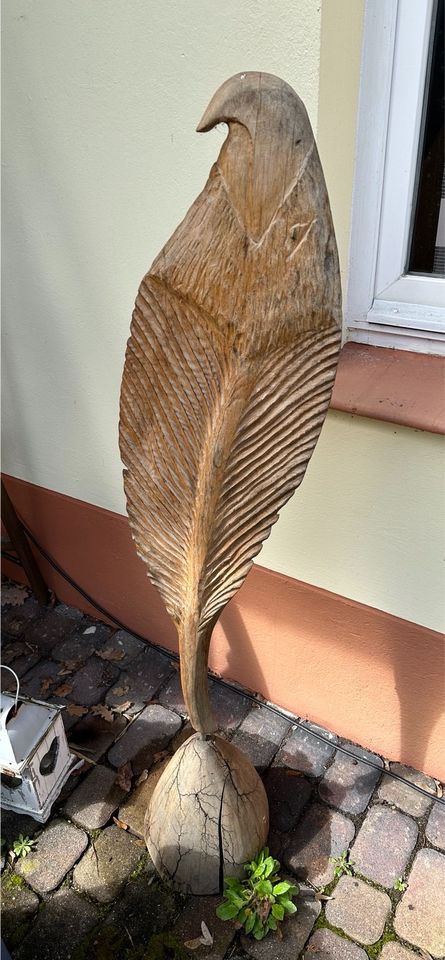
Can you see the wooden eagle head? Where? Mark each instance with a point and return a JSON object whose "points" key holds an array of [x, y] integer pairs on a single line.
{"points": [[230, 364]]}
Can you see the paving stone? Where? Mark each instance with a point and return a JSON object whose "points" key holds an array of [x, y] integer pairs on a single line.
{"points": [[171, 695], [327, 945], [58, 848], [229, 706], [260, 734], [19, 905], [384, 845], [420, 914], [403, 796], [93, 735], [61, 924], [49, 631], [64, 610], [140, 681], [435, 828], [322, 833], [348, 783], [79, 647], [124, 643], [295, 931], [358, 909], [92, 680], [31, 683], [188, 927], [287, 795], [151, 732], [16, 619], [107, 864], [301, 751], [133, 811], [395, 951], [144, 909], [95, 800], [20, 663]]}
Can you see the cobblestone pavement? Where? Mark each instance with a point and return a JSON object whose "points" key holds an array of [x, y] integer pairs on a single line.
{"points": [[88, 891]]}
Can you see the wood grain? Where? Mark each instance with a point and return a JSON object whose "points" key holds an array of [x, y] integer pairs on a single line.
{"points": [[230, 364]]}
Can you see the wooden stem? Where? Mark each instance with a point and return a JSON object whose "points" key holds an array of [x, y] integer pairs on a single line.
{"points": [[194, 651]]}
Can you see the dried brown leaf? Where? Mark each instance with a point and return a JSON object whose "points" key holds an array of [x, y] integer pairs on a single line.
{"points": [[45, 685], [193, 944], [120, 823], [100, 710], [63, 690], [121, 691], [439, 788], [122, 707], [110, 654], [124, 777], [160, 755], [76, 710], [69, 666], [206, 939], [14, 593]]}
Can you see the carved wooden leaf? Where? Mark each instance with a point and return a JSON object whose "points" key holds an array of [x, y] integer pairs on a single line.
{"points": [[230, 364]]}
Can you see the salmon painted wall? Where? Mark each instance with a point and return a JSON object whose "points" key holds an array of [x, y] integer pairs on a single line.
{"points": [[368, 676]]}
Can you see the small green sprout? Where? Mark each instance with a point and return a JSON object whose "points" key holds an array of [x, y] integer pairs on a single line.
{"points": [[22, 846], [343, 865], [261, 901], [400, 884]]}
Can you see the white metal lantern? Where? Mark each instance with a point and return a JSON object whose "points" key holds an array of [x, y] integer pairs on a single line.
{"points": [[35, 760]]}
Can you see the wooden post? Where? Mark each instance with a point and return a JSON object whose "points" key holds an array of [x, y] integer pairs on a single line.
{"points": [[228, 375]]}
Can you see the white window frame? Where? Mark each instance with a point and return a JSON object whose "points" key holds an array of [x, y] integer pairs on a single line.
{"points": [[385, 306]]}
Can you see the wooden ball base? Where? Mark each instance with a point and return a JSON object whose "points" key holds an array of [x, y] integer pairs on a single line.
{"points": [[208, 815]]}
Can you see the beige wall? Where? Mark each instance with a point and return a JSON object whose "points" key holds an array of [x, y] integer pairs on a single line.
{"points": [[101, 161]]}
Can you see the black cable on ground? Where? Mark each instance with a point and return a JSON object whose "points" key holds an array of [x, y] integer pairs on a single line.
{"points": [[224, 683]]}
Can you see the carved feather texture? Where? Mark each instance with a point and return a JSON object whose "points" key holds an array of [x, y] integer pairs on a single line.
{"points": [[229, 367]]}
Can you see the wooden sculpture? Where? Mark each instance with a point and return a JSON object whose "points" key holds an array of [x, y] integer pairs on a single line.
{"points": [[228, 375]]}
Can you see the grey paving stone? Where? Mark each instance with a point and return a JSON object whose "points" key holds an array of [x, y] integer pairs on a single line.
{"points": [[19, 905], [21, 662], [395, 951], [49, 631], [79, 647], [95, 800], [322, 833], [188, 926], [151, 732], [144, 909], [61, 924], [140, 681], [16, 619], [260, 735], [133, 811], [229, 706], [403, 796], [384, 845], [58, 848], [287, 795], [295, 931], [107, 864], [32, 683], [64, 610], [124, 643], [170, 695], [358, 909], [435, 828], [92, 680], [420, 914], [93, 735], [327, 945], [348, 783], [301, 751]]}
